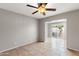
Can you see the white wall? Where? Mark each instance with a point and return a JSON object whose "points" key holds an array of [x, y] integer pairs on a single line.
{"points": [[72, 28], [16, 30]]}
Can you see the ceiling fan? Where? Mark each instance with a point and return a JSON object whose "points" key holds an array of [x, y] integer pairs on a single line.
{"points": [[41, 8]]}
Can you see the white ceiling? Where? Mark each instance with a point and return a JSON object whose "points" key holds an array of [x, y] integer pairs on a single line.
{"points": [[23, 9]]}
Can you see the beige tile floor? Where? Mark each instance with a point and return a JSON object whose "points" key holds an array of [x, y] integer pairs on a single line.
{"points": [[53, 47]]}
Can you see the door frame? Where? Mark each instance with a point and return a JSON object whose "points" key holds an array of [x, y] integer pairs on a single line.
{"points": [[53, 21]]}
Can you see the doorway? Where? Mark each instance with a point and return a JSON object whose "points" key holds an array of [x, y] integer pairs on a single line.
{"points": [[55, 33]]}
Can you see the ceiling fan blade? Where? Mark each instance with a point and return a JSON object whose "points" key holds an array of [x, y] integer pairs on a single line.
{"points": [[34, 12], [31, 6], [39, 4], [44, 13], [50, 9]]}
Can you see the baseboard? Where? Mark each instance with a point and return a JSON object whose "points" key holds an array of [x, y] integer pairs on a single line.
{"points": [[71, 49], [23, 44]]}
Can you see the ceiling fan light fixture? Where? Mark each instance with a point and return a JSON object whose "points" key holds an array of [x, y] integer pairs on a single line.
{"points": [[42, 9]]}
